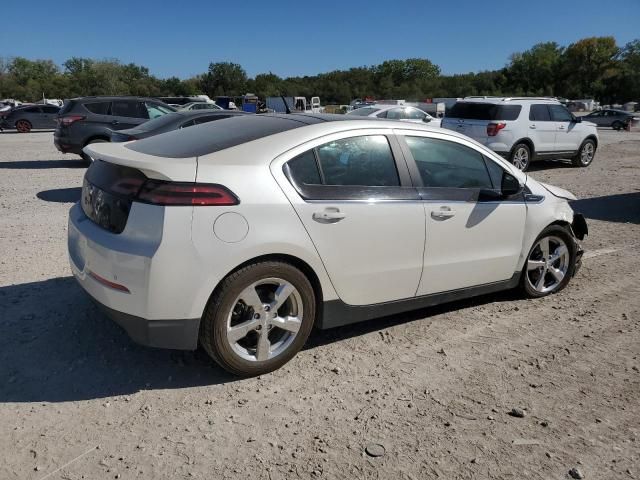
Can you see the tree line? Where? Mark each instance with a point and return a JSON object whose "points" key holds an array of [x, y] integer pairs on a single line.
{"points": [[593, 67]]}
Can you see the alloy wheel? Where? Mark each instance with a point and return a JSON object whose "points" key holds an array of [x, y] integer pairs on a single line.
{"points": [[587, 152], [23, 126], [265, 319], [521, 158], [548, 264]]}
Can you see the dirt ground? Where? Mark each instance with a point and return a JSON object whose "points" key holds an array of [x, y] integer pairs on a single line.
{"points": [[434, 388]]}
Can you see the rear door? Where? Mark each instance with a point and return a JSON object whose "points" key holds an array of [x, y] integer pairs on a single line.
{"points": [[127, 114], [474, 237], [541, 129], [354, 196], [49, 116]]}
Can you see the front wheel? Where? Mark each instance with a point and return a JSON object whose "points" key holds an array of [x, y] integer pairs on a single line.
{"points": [[585, 155], [258, 318], [550, 263], [521, 156]]}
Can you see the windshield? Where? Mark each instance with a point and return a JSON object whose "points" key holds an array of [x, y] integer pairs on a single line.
{"points": [[159, 122], [364, 111], [484, 111]]}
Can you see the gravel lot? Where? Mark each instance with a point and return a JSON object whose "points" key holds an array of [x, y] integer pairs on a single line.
{"points": [[79, 400]]}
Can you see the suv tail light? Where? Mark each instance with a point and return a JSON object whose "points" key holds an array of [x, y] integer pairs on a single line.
{"points": [[69, 119], [179, 193], [494, 128]]}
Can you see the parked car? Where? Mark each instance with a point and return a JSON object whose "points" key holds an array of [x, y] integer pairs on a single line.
{"points": [[27, 117], [524, 129], [616, 119], [243, 234], [169, 122], [396, 112], [200, 106], [87, 120]]}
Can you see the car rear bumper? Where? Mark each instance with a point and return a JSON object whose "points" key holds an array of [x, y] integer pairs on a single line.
{"points": [[65, 145], [128, 275]]}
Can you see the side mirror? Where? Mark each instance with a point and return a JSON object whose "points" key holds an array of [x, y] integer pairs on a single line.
{"points": [[426, 119], [510, 185]]}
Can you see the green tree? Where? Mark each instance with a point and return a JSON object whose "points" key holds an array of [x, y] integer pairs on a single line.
{"points": [[587, 65], [224, 78]]}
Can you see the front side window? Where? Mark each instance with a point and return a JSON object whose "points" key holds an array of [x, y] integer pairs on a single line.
{"points": [[445, 164], [413, 114], [126, 108], [560, 113], [365, 160]]}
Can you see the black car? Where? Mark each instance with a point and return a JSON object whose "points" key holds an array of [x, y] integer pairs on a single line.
{"points": [[92, 119], [172, 121], [26, 117], [617, 119]]}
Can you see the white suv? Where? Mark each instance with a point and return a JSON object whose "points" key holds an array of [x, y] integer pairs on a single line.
{"points": [[524, 129]]}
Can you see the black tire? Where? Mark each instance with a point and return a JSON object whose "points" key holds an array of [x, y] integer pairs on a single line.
{"points": [[521, 156], [213, 327], [617, 125], [582, 158], [87, 159], [551, 231]]}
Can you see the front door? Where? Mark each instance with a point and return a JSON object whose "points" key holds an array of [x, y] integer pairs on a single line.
{"points": [[568, 136], [474, 237], [541, 129], [355, 199]]}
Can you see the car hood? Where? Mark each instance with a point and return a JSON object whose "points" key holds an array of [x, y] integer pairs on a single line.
{"points": [[558, 192]]}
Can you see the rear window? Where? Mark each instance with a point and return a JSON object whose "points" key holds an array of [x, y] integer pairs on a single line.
{"points": [[484, 111], [67, 106], [100, 108], [215, 136]]}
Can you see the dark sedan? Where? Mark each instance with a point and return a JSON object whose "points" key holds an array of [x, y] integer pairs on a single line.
{"points": [[172, 121], [27, 117], [617, 119]]}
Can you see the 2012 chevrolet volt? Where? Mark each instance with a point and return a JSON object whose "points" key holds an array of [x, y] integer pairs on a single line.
{"points": [[245, 233]]}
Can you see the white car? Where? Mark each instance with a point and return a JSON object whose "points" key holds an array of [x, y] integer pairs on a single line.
{"points": [[396, 112], [523, 129], [244, 233], [200, 106]]}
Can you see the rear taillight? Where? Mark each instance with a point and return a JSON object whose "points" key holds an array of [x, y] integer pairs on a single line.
{"points": [[178, 193], [69, 119], [494, 128]]}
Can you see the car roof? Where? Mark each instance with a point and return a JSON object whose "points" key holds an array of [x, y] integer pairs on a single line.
{"points": [[208, 112], [223, 134], [115, 97], [507, 100]]}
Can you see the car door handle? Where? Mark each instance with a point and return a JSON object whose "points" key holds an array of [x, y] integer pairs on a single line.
{"points": [[560, 128], [115, 122], [443, 214], [533, 127], [328, 215]]}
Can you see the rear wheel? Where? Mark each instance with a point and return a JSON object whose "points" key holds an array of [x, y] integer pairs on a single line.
{"points": [[550, 263], [23, 126], [87, 159], [521, 156], [258, 318], [585, 154], [617, 125]]}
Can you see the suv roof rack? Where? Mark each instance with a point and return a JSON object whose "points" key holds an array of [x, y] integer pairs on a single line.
{"points": [[507, 99]]}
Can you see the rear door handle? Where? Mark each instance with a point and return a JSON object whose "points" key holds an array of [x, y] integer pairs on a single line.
{"points": [[443, 214], [328, 215], [533, 127], [115, 122], [561, 128]]}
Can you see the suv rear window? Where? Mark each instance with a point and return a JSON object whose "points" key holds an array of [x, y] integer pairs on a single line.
{"points": [[100, 108], [484, 111]]}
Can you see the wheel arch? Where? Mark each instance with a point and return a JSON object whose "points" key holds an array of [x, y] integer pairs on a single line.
{"points": [[98, 136], [528, 142], [297, 262], [592, 137]]}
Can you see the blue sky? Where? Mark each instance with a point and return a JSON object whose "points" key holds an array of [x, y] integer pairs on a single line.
{"points": [[304, 38]]}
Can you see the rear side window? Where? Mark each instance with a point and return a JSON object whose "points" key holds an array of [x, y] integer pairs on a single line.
{"points": [[484, 111], [560, 114], [99, 108], [364, 111], [32, 110], [304, 169], [539, 113], [50, 109], [444, 164], [365, 160]]}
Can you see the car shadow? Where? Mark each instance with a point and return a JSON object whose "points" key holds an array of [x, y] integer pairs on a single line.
{"points": [[61, 195], [57, 346], [540, 165], [42, 164], [621, 208]]}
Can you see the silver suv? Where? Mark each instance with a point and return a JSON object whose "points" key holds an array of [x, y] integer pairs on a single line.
{"points": [[523, 129]]}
